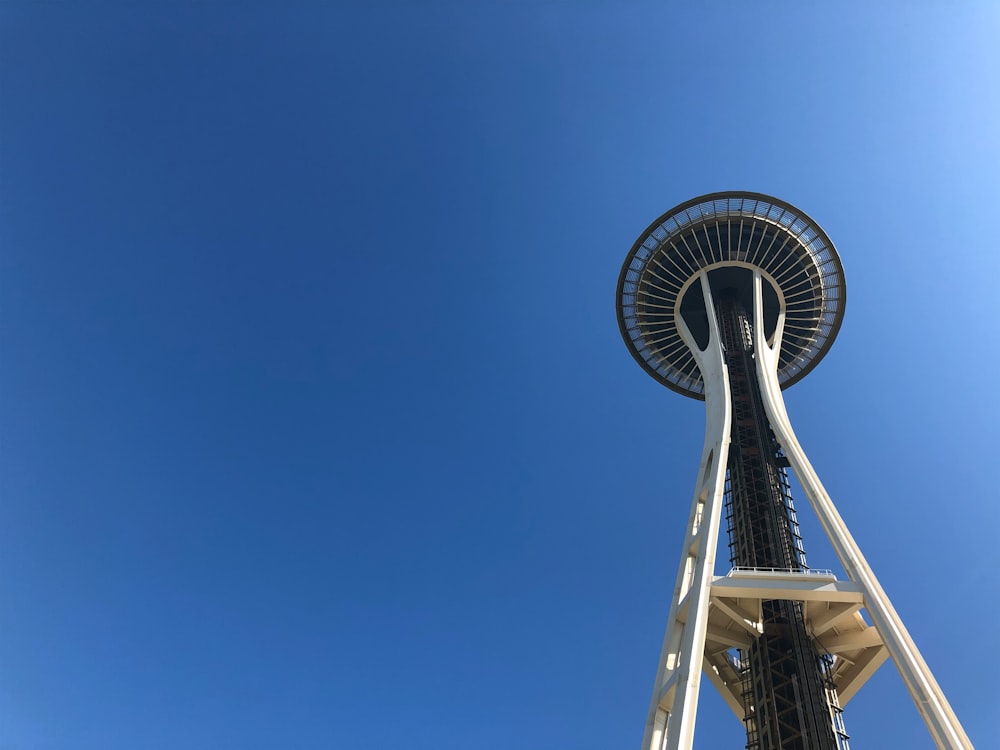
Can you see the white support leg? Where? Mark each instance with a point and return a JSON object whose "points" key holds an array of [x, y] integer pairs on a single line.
{"points": [[944, 726], [671, 721]]}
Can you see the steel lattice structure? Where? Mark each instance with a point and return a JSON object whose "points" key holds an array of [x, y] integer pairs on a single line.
{"points": [[730, 298]]}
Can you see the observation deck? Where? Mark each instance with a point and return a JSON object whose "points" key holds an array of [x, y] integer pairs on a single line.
{"points": [[729, 234]]}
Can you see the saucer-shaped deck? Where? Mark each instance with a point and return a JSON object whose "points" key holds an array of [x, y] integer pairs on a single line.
{"points": [[726, 231]]}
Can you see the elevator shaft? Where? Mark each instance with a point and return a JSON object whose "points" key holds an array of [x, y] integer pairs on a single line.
{"points": [[789, 701]]}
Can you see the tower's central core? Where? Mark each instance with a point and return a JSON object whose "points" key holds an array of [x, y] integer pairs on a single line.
{"points": [[789, 699]]}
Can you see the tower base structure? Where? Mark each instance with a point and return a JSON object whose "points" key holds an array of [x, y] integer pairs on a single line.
{"points": [[712, 616]]}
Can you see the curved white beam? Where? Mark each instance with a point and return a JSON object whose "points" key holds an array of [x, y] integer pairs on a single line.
{"points": [[944, 726], [671, 721]]}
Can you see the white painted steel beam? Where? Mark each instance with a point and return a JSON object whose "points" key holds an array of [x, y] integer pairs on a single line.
{"points": [[934, 708], [671, 721], [856, 675], [822, 621]]}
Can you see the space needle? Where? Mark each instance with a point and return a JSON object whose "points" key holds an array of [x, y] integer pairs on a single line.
{"points": [[730, 298]]}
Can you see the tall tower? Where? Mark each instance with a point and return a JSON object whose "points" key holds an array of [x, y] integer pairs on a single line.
{"points": [[730, 298]]}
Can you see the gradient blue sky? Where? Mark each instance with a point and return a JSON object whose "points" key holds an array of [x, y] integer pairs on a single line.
{"points": [[316, 429]]}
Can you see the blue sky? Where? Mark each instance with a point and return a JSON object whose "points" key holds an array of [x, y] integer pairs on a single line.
{"points": [[316, 429]]}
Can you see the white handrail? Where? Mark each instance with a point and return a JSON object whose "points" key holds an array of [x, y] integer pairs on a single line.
{"points": [[785, 571]]}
